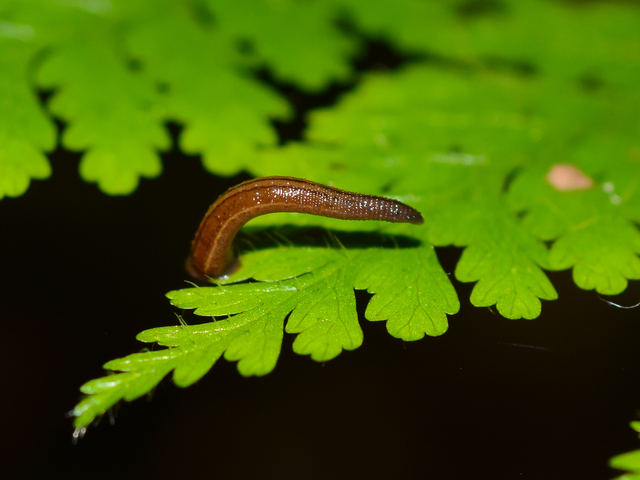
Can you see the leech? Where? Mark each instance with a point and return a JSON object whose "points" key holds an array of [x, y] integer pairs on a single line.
{"points": [[211, 250]]}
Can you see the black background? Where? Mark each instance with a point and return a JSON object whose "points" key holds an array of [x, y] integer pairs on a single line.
{"points": [[83, 273]]}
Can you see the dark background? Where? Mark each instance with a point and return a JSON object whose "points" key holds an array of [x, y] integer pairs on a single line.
{"points": [[83, 273]]}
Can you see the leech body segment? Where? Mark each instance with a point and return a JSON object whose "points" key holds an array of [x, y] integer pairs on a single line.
{"points": [[211, 250]]}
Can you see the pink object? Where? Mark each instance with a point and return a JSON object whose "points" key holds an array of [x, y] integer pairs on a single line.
{"points": [[567, 178]]}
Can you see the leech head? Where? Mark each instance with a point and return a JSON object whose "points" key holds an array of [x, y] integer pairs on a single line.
{"points": [[416, 219], [200, 277], [196, 274]]}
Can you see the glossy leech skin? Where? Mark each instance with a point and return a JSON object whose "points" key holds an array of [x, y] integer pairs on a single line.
{"points": [[211, 249]]}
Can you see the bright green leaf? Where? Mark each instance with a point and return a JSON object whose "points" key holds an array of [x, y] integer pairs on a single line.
{"points": [[320, 306], [412, 293], [110, 113], [593, 234], [224, 111], [25, 132], [322, 57], [598, 42], [628, 461]]}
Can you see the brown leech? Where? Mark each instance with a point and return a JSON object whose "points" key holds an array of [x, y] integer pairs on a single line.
{"points": [[211, 252]]}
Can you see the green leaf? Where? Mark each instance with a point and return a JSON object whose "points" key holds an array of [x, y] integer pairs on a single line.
{"points": [[122, 68], [321, 58], [25, 131], [410, 291], [110, 110], [594, 43], [594, 233], [224, 110], [320, 306], [629, 462]]}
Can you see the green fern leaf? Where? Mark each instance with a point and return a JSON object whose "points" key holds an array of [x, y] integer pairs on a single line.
{"points": [[321, 309], [25, 132]]}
